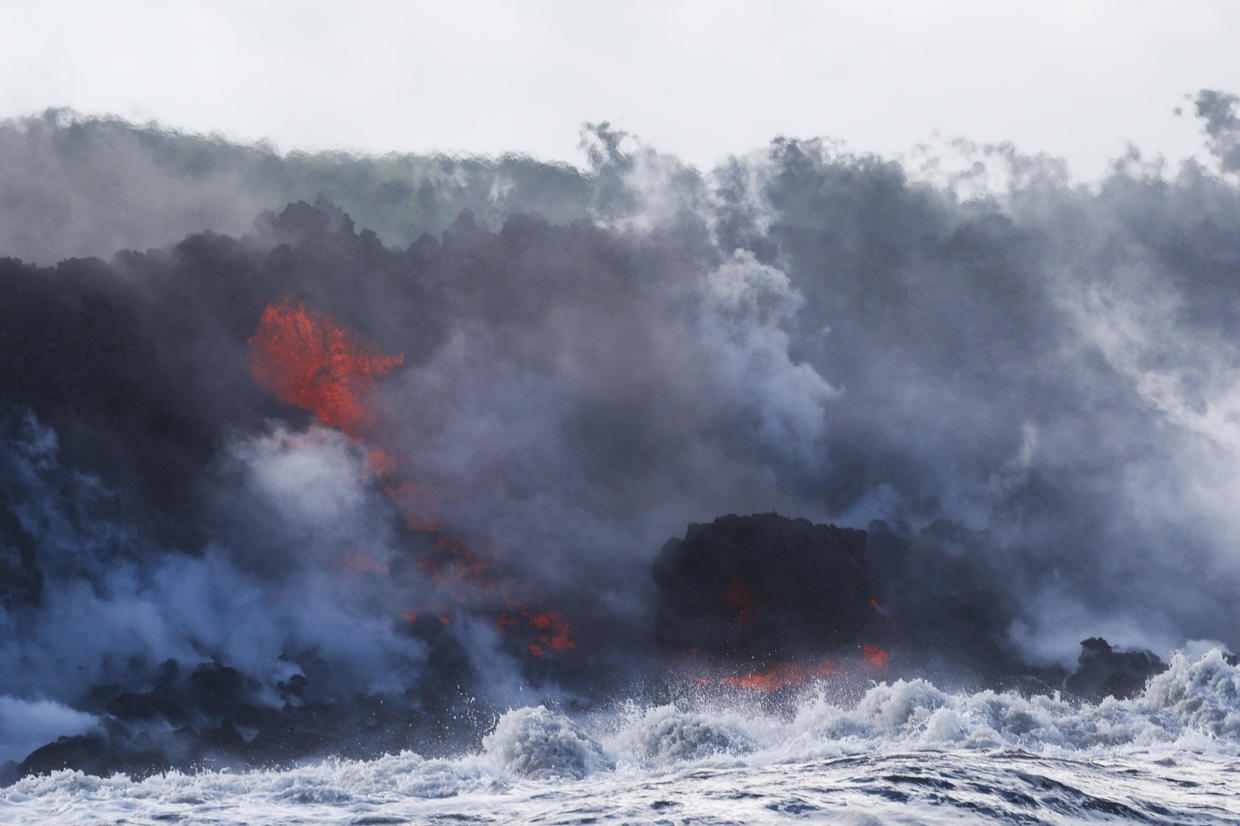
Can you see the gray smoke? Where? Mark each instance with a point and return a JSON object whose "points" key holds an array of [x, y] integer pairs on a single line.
{"points": [[1027, 391]]}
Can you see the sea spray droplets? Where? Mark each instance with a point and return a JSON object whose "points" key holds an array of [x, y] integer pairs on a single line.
{"points": [[665, 734], [1203, 695], [539, 744]]}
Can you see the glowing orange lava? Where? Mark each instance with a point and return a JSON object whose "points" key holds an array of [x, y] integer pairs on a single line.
{"points": [[308, 361], [782, 675], [558, 630], [875, 656]]}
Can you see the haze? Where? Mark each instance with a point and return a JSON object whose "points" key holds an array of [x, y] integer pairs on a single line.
{"points": [[699, 79]]}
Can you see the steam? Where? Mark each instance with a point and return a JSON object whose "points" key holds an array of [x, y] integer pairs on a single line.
{"points": [[1034, 387], [115, 621], [24, 726]]}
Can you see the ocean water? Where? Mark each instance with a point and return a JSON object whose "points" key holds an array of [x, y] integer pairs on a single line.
{"points": [[903, 752]]}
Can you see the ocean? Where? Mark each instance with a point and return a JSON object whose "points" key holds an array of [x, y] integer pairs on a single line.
{"points": [[904, 752]]}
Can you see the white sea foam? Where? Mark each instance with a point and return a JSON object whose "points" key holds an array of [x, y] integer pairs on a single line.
{"points": [[665, 734], [540, 744], [538, 760]]}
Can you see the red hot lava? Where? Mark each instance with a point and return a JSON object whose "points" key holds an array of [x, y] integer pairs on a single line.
{"points": [[874, 663], [875, 656], [785, 674], [307, 360], [555, 630]]}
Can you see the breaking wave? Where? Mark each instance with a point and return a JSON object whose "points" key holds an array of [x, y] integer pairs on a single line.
{"points": [[1194, 706], [916, 736], [540, 744]]}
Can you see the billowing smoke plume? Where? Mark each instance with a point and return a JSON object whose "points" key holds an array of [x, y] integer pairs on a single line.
{"points": [[294, 487]]}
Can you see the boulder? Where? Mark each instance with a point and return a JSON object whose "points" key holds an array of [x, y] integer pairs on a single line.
{"points": [[1104, 672], [762, 586]]}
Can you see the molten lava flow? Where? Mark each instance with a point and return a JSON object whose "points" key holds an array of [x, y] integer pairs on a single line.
{"points": [[380, 463], [457, 570], [557, 629], [782, 675], [741, 597], [875, 656], [309, 361]]}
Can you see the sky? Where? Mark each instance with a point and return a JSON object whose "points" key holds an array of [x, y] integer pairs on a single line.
{"points": [[1077, 79]]}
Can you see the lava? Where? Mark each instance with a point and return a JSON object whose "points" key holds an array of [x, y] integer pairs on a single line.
{"points": [[380, 463], [875, 656], [784, 674], [556, 627], [556, 631], [875, 661], [307, 360]]}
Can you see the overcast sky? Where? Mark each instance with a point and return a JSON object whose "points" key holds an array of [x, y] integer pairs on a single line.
{"points": [[1078, 79]]}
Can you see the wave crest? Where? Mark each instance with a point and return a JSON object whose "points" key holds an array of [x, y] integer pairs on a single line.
{"points": [[539, 744]]}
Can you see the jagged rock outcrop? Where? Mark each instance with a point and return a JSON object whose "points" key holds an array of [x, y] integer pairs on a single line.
{"points": [[1104, 672]]}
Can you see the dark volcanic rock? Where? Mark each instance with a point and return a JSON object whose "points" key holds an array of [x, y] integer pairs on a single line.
{"points": [[217, 717], [99, 752], [762, 586], [948, 605], [87, 753], [1104, 672]]}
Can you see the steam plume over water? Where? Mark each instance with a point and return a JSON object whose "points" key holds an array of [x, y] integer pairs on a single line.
{"points": [[321, 454]]}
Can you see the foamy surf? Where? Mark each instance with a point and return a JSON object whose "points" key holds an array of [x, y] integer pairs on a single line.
{"points": [[904, 752]]}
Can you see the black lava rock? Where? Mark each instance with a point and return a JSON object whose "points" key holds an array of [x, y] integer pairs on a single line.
{"points": [[762, 586], [1104, 672]]}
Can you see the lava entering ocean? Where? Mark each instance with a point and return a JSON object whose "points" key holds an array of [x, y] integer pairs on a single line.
{"points": [[308, 360], [489, 428]]}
